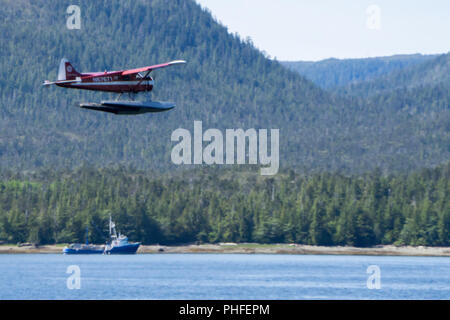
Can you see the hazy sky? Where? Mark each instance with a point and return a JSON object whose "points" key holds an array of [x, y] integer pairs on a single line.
{"points": [[320, 29]]}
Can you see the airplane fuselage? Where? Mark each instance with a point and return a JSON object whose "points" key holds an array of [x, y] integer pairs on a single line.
{"points": [[111, 82]]}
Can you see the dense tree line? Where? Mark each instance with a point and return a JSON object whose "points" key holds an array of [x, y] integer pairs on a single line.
{"points": [[239, 205]]}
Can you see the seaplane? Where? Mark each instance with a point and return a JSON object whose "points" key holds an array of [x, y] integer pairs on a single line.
{"points": [[131, 82]]}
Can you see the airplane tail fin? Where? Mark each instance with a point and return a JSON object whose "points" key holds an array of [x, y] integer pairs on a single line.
{"points": [[67, 71]]}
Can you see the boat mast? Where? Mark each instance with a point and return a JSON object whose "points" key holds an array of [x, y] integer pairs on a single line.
{"points": [[112, 227], [87, 235]]}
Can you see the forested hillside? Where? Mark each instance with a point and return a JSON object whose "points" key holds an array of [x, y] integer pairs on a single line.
{"points": [[335, 73], [352, 155], [226, 83], [213, 205], [432, 73]]}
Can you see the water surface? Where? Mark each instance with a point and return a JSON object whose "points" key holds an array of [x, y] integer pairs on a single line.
{"points": [[222, 276]]}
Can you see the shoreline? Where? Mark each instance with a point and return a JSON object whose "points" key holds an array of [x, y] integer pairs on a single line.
{"points": [[254, 248]]}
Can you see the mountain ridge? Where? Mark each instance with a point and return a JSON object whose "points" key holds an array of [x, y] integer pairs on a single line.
{"points": [[335, 73], [432, 72]]}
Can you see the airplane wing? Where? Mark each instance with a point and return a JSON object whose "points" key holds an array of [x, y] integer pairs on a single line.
{"points": [[151, 68]]}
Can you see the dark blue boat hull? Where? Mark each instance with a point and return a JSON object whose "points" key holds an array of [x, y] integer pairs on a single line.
{"points": [[127, 249], [81, 251]]}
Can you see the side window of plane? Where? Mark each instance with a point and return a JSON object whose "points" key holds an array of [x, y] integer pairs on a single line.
{"points": [[141, 76]]}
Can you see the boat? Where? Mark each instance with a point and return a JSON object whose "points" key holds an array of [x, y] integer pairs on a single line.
{"points": [[84, 248], [81, 248], [119, 243]]}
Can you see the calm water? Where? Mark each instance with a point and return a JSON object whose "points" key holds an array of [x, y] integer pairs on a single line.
{"points": [[226, 276]]}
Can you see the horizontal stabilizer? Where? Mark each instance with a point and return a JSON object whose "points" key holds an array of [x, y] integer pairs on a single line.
{"points": [[48, 83], [129, 107]]}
